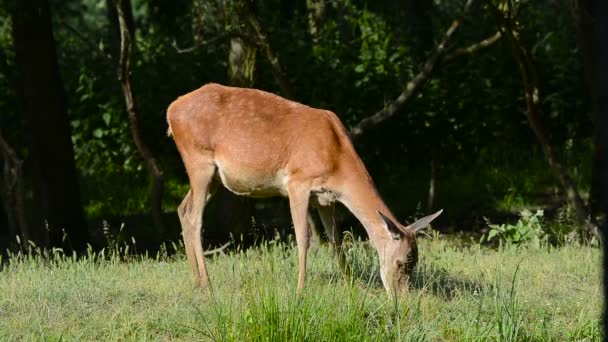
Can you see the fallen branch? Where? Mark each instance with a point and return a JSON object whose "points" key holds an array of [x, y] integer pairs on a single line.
{"points": [[217, 250]]}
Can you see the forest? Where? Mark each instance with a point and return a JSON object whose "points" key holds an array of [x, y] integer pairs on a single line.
{"points": [[492, 110], [482, 108]]}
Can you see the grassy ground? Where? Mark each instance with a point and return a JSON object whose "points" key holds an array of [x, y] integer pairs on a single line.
{"points": [[461, 292]]}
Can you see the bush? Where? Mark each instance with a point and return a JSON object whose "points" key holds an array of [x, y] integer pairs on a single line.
{"points": [[528, 229]]}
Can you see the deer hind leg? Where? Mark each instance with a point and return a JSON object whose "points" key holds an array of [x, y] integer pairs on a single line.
{"points": [[190, 214], [298, 204], [182, 212], [334, 235], [316, 234]]}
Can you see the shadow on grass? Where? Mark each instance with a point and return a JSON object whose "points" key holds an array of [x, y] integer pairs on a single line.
{"points": [[438, 282], [442, 284]]}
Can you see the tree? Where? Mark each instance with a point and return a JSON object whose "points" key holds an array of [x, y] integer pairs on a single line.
{"points": [[442, 54], [599, 16], [5, 229], [12, 172], [581, 11], [114, 34], [509, 28], [13, 188], [124, 76], [261, 38], [244, 31], [55, 180], [242, 55]]}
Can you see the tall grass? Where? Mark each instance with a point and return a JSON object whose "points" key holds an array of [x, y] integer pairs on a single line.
{"points": [[461, 292]]}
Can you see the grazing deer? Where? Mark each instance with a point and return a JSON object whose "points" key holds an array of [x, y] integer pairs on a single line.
{"points": [[258, 144]]}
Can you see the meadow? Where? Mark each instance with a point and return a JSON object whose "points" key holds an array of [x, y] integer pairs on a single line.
{"points": [[461, 291]]}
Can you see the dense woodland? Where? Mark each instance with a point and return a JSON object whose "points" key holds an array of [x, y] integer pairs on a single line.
{"points": [[480, 107]]}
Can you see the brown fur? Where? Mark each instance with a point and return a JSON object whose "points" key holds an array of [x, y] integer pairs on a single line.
{"points": [[258, 144]]}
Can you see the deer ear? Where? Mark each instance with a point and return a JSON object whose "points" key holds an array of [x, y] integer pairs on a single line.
{"points": [[396, 233], [423, 222]]}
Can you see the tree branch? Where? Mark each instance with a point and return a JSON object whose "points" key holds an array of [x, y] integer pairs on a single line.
{"points": [[412, 86], [471, 49], [145, 152], [273, 59], [225, 36]]}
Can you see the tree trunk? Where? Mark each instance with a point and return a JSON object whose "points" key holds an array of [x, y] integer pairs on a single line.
{"points": [[124, 76], [56, 190], [6, 237], [599, 15], [13, 188], [13, 205], [584, 31], [241, 63]]}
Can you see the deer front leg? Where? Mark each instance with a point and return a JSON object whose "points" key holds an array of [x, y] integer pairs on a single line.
{"points": [[298, 204]]}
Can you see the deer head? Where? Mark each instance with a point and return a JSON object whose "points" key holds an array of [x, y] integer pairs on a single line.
{"points": [[399, 253]]}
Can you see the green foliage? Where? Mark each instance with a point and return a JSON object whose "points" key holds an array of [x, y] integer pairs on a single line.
{"points": [[379, 56], [468, 117], [528, 229], [9, 122]]}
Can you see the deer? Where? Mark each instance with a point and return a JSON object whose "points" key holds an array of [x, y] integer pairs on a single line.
{"points": [[259, 144]]}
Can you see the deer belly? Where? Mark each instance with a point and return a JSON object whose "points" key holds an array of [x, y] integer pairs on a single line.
{"points": [[253, 184]]}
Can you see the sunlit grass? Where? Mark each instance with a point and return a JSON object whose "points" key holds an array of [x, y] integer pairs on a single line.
{"points": [[461, 292]]}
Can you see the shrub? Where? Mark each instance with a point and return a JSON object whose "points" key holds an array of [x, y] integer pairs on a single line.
{"points": [[528, 229]]}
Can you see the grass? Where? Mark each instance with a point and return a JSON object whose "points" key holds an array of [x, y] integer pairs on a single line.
{"points": [[461, 292]]}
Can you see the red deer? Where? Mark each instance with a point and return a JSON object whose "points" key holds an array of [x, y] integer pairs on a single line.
{"points": [[258, 144]]}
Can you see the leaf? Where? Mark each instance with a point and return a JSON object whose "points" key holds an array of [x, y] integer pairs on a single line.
{"points": [[98, 133], [492, 234], [106, 118], [517, 236]]}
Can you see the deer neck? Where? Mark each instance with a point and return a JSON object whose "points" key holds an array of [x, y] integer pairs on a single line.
{"points": [[363, 200]]}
